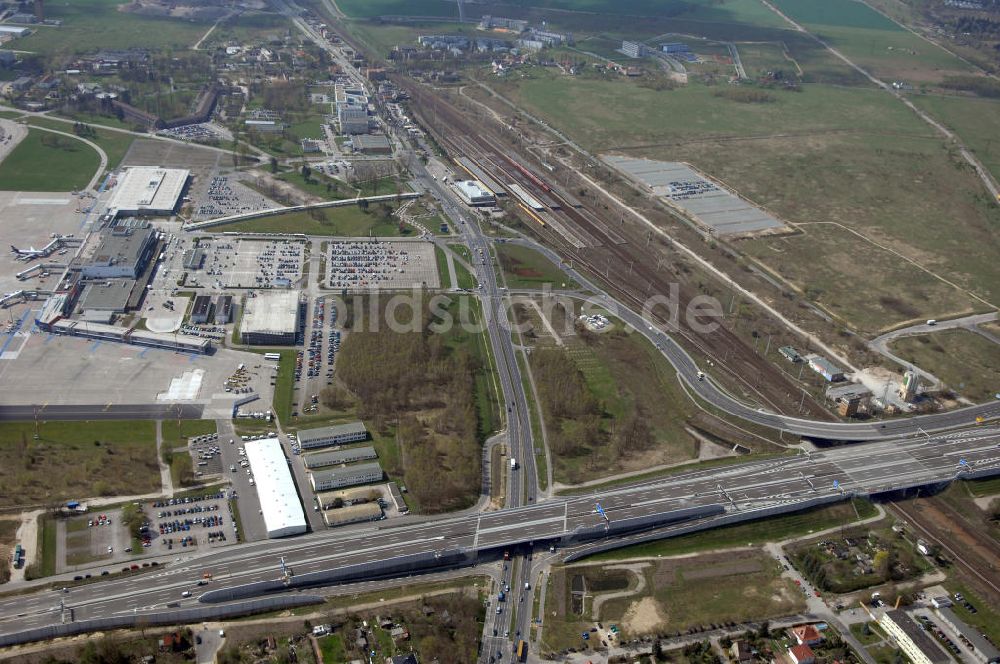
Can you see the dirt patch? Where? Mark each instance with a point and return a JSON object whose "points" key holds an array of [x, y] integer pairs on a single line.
{"points": [[279, 189], [731, 569], [644, 616]]}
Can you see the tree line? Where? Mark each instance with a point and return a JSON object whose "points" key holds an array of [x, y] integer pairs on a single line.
{"points": [[420, 387], [576, 420]]}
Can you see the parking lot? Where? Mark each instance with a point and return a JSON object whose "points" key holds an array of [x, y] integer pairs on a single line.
{"points": [[381, 264], [314, 365], [206, 131], [193, 522], [237, 263], [226, 196], [96, 537], [719, 209], [206, 458]]}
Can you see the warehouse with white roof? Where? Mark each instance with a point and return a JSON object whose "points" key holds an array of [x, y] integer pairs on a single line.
{"points": [[149, 191], [282, 511]]}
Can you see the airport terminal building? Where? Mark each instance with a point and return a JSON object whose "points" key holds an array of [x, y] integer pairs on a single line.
{"points": [[121, 253], [149, 191]]}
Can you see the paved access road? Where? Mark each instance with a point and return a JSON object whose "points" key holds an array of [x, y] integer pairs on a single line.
{"points": [[742, 490]]}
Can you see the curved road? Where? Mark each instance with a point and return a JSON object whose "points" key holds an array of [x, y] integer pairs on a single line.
{"points": [[707, 389]]}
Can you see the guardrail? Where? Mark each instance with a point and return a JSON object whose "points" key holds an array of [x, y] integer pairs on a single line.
{"points": [[410, 564], [178, 617], [727, 519]]}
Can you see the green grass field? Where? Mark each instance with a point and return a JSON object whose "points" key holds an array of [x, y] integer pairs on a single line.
{"points": [[92, 118], [872, 40], [976, 121], [892, 185], [465, 278], [177, 432], [753, 533], [371, 8], [442, 264], [526, 268], [347, 221], [107, 458], [332, 647], [589, 109], [842, 13], [36, 166], [627, 379], [726, 11], [115, 144], [678, 594], [91, 25], [965, 361], [820, 259], [317, 185]]}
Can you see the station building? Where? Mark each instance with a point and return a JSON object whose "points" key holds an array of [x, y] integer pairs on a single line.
{"points": [[473, 193]]}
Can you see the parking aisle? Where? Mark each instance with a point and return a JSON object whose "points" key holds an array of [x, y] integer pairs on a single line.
{"points": [[246, 496]]}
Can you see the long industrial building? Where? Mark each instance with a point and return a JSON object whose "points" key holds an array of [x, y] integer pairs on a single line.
{"points": [[353, 514], [919, 647], [337, 478], [271, 319], [279, 502], [338, 434], [338, 457], [149, 191]]}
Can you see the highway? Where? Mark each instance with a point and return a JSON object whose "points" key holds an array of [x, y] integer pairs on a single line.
{"points": [[702, 498], [906, 453], [522, 484]]}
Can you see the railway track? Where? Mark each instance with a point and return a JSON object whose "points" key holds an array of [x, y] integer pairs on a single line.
{"points": [[581, 234]]}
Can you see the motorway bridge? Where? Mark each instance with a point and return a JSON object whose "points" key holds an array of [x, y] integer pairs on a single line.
{"points": [[651, 509]]}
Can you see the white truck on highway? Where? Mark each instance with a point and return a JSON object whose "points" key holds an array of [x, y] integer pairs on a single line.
{"points": [[513, 463]]}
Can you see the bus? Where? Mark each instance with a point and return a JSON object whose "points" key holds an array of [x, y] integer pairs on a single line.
{"points": [[18, 556], [522, 651], [272, 357]]}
